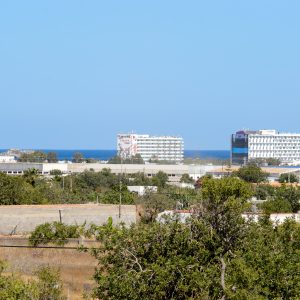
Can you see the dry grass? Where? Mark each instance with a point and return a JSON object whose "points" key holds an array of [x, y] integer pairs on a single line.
{"points": [[76, 268]]}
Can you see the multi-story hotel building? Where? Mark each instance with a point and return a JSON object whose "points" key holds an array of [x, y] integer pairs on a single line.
{"points": [[168, 148], [247, 145]]}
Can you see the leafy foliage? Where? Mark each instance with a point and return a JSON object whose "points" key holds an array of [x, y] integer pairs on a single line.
{"points": [[52, 157], [56, 233], [35, 156], [152, 204], [251, 173], [56, 172], [135, 159], [276, 206], [113, 196], [288, 178], [78, 157], [216, 254], [185, 178], [139, 178], [47, 286], [160, 179], [15, 190]]}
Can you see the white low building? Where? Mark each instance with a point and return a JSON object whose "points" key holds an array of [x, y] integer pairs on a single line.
{"points": [[183, 215], [7, 159], [174, 171], [142, 190], [276, 218]]}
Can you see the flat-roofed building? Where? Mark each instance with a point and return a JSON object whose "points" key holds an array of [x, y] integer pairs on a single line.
{"points": [[168, 148], [264, 144], [7, 158]]}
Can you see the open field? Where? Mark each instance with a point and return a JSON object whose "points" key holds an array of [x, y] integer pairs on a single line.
{"points": [[76, 267]]}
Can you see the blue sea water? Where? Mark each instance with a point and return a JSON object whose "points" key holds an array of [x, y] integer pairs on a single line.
{"points": [[107, 154]]}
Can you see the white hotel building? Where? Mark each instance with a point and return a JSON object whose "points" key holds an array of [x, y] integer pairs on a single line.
{"points": [[246, 145], [169, 148]]}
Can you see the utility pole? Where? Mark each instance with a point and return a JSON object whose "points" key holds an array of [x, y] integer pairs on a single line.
{"points": [[60, 217], [120, 187], [71, 184]]}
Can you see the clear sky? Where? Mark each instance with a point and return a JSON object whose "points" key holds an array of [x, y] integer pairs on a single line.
{"points": [[73, 74]]}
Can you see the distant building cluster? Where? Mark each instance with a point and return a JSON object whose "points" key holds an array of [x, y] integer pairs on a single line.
{"points": [[265, 144], [7, 158], [161, 148]]}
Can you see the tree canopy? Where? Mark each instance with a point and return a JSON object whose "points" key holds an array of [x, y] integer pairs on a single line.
{"points": [[288, 178], [78, 157], [47, 286], [186, 178], [216, 254], [35, 156], [135, 159], [251, 173]]}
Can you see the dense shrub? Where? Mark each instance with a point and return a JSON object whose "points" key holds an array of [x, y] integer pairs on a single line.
{"points": [[56, 233]]}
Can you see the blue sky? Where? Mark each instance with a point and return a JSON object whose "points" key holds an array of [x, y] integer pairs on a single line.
{"points": [[73, 74]]}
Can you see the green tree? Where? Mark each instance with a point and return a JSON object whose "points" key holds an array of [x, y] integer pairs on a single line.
{"points": [[216, 254], [175, 260], [135, 159], [15, 190], [291, 194], [31, 176], [56, 172], [52, 157], [267, 265], [288, 178], [113, 196], [160, 179], [251, 173], [276, 206], [220, 210], [35, 156], [139, 178], [115, 160], [49, 284], [186, 178], [55, 232], [262, 192], [77, 157], [273, 161], [152, 204]]}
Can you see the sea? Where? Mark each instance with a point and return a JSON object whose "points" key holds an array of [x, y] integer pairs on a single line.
{"points": [[107, 154]]}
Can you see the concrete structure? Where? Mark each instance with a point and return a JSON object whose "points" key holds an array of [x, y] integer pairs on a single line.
{"points": [[19, 219], [7, 158], [42, 168], [264, 144], [183, 215], [180, 215], [142, 190], [169, 148], [174, 171], [276, 218], [274, 172]]}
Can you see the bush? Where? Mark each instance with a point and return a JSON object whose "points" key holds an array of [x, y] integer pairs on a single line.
{"points": [[47, 286], [56, 233]]}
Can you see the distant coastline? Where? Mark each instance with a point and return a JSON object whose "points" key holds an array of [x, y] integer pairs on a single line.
{"points": [[107, 154]]}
